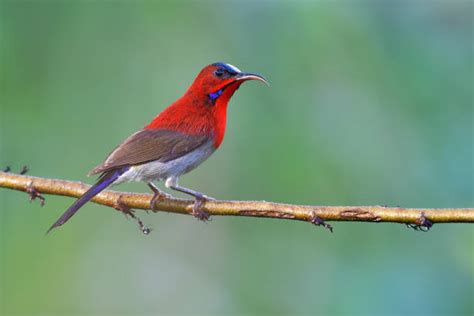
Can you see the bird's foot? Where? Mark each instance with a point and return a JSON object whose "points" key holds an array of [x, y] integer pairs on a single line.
{"points": [[421, 224], [129, 212], [34, 194], [318, 221], [158, 196], [197, 211]]}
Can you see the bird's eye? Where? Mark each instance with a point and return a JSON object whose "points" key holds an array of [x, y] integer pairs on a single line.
{"points": [[219, 72]]}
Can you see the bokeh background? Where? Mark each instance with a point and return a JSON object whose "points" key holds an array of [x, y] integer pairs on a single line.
{"points": [[370, 102]]}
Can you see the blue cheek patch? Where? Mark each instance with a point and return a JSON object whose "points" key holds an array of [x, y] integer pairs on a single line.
{"points": [[216, 94]]}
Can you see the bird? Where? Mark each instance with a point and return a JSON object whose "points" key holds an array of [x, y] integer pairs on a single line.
{"points": [[175, 142]]}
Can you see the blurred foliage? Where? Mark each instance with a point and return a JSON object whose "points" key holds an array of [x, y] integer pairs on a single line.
{"points": [[371, 102]]}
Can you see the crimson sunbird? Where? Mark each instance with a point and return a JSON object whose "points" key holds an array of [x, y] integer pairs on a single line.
{"points": [[175, 142]]}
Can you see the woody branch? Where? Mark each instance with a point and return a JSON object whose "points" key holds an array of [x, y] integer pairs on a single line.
{"points": [[416, 217]]}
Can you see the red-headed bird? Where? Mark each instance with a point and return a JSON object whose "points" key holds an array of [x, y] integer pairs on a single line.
{"points": [[178, 140]]}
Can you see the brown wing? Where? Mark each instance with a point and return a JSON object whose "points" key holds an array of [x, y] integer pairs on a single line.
{"points": [[149, 145]]}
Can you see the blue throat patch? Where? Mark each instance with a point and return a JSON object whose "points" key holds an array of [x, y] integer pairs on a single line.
{"points": [[216, 94]]}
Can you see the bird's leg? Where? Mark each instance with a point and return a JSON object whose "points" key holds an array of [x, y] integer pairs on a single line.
{"points": [[200, 198], [157, 195]]}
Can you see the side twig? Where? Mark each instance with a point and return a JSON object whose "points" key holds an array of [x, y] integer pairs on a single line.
{"points": [[418, 218]]}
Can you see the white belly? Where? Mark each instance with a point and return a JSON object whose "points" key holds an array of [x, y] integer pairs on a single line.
{"points": [[157, 171]]}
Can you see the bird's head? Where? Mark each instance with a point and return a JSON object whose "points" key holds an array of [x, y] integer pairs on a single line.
{"points": [[202, 109], [219, 81]]}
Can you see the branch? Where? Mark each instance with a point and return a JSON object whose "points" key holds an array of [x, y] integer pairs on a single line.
{"points": [[417, 218]]}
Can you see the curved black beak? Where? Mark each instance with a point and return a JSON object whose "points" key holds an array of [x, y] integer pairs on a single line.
{"points": [[243, 76]]}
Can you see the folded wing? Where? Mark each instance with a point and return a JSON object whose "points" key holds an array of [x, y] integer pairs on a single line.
{"points": [[150, 145]]}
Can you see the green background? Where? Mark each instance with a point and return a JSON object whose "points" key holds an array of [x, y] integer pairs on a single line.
{"points": [[370, 103]]}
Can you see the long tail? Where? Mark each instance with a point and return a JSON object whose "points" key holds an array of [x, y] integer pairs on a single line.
{"points": [[103, 182]]}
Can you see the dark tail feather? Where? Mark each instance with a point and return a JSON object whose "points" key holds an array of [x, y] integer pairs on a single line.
{"points": [[103, 182]]}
